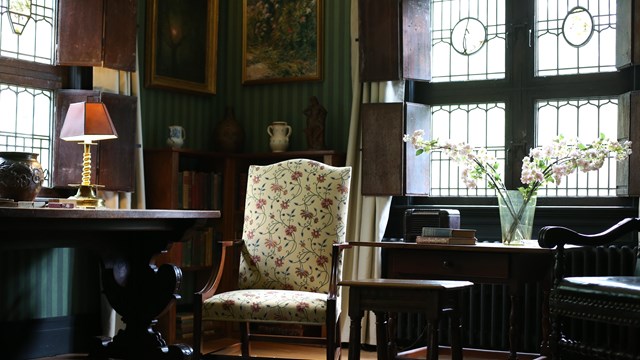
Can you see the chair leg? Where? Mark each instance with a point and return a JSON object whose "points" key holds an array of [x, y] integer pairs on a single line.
{"points": [[244, 339], [331, 342]]}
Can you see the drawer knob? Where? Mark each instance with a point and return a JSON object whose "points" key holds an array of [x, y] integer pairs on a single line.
{"points": [[447, 264]]}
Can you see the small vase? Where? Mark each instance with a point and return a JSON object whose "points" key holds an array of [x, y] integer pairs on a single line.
{"points": [[516, 216], [229, 134], [21, 176], [176, 136], [279, 132]]}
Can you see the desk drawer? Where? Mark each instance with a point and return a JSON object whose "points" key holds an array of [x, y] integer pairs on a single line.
{"points": [[445, 264]]}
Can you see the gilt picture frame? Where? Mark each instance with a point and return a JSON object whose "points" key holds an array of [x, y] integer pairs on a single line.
{"points": [[181, 45], [282, 41]]}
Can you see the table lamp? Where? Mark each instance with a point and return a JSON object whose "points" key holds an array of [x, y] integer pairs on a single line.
{"points": [[87, 122]]}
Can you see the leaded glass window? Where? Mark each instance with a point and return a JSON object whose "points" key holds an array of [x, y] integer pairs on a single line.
{"points": [[509, 75], [468, 40], [27, 34]]}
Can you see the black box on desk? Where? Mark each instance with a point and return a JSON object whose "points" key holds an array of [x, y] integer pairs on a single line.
{"points": [[416, 219]]}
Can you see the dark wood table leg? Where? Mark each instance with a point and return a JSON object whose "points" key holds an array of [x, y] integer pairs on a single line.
{"points": [[392, 332], [355, 314], [514, 328], [139, 292], [455, 326], [434, 346], [381, 334]]}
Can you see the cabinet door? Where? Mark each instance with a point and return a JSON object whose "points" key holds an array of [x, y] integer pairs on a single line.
{"points": [[627, 181], [394, 40], [627, 33], [389, 166], [97, 33]]}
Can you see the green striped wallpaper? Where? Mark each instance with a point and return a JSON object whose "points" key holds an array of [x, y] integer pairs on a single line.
{"points": [[255, 105], [47, 283]]}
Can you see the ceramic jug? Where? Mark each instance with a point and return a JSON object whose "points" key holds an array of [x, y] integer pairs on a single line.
{"points": [[176, 136], [279, 132]]}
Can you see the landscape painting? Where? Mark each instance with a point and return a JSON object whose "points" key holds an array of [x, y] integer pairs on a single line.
{"points": [[282, 41]]}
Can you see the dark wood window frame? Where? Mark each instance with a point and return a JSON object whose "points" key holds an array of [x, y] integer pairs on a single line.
{"points": [[519, 91]]}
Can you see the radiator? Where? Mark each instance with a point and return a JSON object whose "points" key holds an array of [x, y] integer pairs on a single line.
{"points": [[485, 310]]}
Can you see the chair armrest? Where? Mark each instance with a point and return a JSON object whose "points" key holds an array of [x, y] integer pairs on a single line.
{"points": [[215, 276], [552, 236], [336, 252]]}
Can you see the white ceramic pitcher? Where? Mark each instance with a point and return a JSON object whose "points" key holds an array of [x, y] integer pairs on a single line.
{"points": [[279, 132]]}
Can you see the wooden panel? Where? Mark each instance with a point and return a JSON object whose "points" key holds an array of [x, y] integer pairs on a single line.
{"points": [[417, 179], [379, 40], [112, 161], [416, 40], [457, 265], [80, 33], [628, 181], [116, 158], [30, 74], [120, 35], [382, 148], [67, 155], [627, 33]]}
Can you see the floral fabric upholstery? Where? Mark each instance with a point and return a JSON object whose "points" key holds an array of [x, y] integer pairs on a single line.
{"points": [[295, 211]]}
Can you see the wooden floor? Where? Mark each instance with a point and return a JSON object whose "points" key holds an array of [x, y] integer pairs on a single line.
{"points": [[317, 353], [299, 352]]}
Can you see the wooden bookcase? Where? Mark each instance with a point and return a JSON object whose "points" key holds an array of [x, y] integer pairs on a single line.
{"points": [[165, 189]]}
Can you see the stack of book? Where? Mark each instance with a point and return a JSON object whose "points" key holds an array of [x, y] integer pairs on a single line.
{"points": [[436, 235]]}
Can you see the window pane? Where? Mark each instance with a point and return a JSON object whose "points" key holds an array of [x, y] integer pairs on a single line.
{"points": [[480, 125], [468, 40], [37, 39], [27, 113], [575, 37], [582, 119]]}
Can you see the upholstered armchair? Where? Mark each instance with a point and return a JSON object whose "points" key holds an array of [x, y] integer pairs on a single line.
{"points": [[289, 257], [595, 316]]}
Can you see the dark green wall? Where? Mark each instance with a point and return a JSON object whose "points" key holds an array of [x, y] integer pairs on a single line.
{"points": [[255, 105]]}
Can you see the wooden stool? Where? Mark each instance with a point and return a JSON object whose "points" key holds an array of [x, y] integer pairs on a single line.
{"points": [[383, 296]]}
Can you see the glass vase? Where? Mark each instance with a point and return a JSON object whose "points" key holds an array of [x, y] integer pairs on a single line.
{"points": [[516, 216]]}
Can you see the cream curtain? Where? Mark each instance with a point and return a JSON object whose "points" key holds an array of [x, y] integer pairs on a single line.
{"points": [[368, 215], [123, 83]]}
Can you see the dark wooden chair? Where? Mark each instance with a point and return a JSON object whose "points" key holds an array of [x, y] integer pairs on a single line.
{"points": [[607, 306]]}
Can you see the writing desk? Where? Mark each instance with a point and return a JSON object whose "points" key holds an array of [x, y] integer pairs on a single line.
{"points": [[126, 241], [488, 263]]}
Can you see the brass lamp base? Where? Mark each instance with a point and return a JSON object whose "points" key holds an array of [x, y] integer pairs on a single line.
{"points": [[86, 197]]}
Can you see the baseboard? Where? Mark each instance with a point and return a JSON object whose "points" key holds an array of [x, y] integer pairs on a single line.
{"points": [[35, 338]]}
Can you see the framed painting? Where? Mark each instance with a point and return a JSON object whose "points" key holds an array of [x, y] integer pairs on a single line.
{"points": [[281, 41], [181, 45]]}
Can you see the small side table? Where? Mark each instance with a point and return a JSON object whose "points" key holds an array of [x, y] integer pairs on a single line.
{"points": [[383, 296]]}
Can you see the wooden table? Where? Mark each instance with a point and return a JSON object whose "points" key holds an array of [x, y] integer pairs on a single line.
{"points": [[383, 296], [126, 241], [490, 263]]}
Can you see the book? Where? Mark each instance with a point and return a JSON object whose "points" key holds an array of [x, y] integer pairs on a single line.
{"points": [[448, 240], [448, 232]]}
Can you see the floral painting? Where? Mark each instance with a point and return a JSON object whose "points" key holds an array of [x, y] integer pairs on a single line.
{"points": [[281, 41]]}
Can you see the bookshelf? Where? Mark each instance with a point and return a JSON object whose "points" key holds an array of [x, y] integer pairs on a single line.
{"points": [[193, 179]]}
